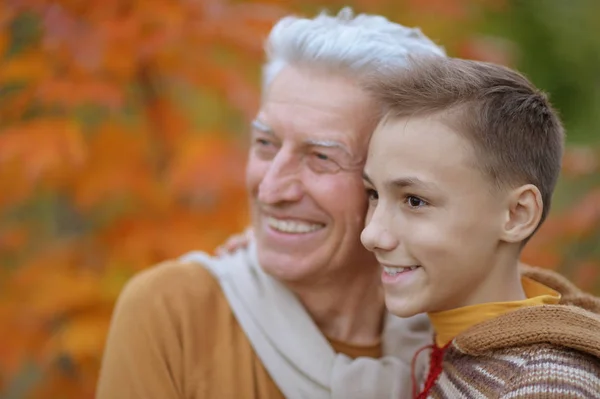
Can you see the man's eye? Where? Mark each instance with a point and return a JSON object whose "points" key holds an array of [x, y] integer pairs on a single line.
{"points": [[262, 142], [264, 148], [321, 156], [372, 194], [321, 163], [415, 202]]}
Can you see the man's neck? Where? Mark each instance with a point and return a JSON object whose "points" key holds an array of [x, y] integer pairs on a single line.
{"points": [[349, 311]]}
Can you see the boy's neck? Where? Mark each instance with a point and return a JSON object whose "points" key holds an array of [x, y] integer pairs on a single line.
{"points": [[502, 283], [450, 323], [504, 286]]}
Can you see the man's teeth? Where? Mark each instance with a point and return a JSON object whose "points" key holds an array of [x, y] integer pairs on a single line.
{"points": [[392, 271], [296, 227]]}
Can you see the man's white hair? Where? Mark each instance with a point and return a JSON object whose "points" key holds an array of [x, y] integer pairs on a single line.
{"points": [[361, 44]]}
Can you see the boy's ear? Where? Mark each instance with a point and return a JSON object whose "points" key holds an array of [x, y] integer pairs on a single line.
{"points": [[524, 212]]}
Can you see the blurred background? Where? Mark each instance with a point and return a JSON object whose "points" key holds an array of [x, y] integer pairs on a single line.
{"points": [[122, 143]]}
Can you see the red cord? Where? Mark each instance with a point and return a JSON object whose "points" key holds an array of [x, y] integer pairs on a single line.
{"points": [[435, 369]]}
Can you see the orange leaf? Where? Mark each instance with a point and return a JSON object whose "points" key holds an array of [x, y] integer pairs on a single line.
{"points": [[14, 187], [13, 109], [138, 243], [63, 379], [133, 242], [229, 83], [240, 93], [83, 336], [3, 41], [206, 164], [30, 66], [59, 295], [167, 123], [118, 168], [13, 238], [77, 91], [46, 151], [19, 340], [112, 182], [121, 37], [65, 257], [202, 230]]}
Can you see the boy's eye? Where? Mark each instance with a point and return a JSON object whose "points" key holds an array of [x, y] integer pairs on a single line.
{"points": [[415, 202], [372, 194]]}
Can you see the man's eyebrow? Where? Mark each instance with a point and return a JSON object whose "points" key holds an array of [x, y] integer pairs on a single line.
{"points": [[262, 127], [366, 178], [327, 144]]}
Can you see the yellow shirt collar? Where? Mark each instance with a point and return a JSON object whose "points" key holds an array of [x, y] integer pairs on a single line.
{"points": [[449, 323]]}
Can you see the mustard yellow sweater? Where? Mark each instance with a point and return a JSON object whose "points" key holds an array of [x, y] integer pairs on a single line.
{"points": [[173, 335]]}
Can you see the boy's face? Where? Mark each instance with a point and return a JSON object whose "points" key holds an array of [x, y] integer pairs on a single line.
{"points": [[431, 207]]}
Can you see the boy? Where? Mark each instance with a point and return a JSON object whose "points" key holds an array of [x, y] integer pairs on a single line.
{"points": [[460, 173]]}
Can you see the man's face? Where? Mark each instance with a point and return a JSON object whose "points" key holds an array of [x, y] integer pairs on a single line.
{"points": [[432, 208], [308, 147]]}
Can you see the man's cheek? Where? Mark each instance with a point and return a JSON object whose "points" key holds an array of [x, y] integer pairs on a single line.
{"points": [[255, 171]]}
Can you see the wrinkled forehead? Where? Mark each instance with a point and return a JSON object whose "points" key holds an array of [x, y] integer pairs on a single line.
{"points": [[314, 128], [316, 106]]}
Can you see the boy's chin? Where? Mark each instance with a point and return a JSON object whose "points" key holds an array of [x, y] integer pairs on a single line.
{"points": [[403, 309]]}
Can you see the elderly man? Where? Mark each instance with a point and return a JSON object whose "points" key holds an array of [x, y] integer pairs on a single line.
{"points": [[300, 313]]}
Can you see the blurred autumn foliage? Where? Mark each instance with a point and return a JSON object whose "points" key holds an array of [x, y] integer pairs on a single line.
{"points": [[122, 144]]}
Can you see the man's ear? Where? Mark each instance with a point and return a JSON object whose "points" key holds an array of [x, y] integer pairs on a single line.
{"points": [[524, 212]]}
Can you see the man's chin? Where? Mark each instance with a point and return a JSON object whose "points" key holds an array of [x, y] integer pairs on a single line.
{"points": [[283, 266]]}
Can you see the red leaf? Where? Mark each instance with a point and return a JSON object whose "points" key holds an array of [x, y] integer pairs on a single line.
{"points": [[580, 161], [489, 49], [586, 274], [584, 217], [456, 9]]}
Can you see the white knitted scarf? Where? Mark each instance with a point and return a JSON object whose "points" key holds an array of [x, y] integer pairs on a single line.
{"points": [[294, 351]]}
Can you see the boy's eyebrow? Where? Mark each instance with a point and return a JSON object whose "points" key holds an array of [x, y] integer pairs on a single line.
{"points": [[404, 182]]}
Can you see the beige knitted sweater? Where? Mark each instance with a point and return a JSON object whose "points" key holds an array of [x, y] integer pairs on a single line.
{"points": [[539, 352]]}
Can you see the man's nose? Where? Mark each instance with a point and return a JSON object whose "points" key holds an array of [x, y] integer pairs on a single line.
{"points": [[377, 236], [282, 182]]}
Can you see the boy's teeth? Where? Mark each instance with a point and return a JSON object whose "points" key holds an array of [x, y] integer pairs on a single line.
{"points": [[295, 227], [392, 271]]}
